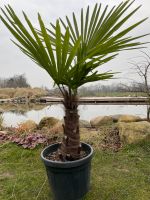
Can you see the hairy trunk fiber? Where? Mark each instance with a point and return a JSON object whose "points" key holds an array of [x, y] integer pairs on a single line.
{"points": [[70, 147]]}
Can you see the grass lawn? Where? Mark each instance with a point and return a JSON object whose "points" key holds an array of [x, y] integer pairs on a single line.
{"points": [[115, 176]]}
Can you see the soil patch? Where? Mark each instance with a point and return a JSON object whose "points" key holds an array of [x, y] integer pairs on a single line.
{"points": [[56, 156], [112, 140]]}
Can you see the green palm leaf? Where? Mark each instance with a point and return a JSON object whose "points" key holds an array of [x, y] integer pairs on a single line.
{"points": [[56, 63], [72, 58], [102, 27]]}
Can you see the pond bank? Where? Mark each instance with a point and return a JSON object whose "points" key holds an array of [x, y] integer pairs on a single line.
{"points": [[82, 100], [107, 131]]}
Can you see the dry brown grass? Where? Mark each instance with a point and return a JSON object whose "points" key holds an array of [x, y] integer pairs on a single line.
{"points": [[26, 127], [4, 96], [21, 92], [7, 91]]}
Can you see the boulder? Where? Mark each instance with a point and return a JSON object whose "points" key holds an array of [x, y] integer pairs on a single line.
{"points": [[57, 128], [101, 120], [115, 118], [134, 132], [128, 118], [84, 124], [48, 122], [90, 136]]}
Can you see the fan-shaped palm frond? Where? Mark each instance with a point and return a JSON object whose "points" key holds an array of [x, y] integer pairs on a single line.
{"points": [[61, 63], [99, 31], [71, 58], [56, 63]]}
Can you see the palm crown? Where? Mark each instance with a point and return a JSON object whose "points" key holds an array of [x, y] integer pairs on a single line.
{"points": [[100, 38], [81, 49]]}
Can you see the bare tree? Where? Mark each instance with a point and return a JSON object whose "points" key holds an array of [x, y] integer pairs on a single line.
{"points": [[14, 82], [142, 68]]}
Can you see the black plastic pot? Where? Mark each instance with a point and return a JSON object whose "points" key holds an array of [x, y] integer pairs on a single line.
{"points": [[68, 180]]}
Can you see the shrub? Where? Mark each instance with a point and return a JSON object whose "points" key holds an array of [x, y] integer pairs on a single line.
{"points": [[26, 127]]}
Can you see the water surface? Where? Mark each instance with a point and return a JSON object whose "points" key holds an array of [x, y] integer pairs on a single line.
{"points": [[86, 112]]}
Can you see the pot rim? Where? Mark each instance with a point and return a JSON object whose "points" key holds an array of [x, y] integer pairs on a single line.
{"points": [[61, 164]]}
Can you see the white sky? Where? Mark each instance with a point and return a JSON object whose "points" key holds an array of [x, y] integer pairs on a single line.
{"points": [[13, 61]]}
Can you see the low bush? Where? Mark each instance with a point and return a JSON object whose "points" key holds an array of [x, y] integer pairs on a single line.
{"points": [[26, 127]]}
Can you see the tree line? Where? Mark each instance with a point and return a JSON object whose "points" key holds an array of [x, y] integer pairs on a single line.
{"points": [[14, 82], [100, 89]]}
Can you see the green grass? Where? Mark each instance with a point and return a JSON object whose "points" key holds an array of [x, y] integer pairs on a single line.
{"points": [[115, 176]]}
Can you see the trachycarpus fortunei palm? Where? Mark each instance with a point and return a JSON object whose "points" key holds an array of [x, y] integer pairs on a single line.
{"points": [[72, 57]]}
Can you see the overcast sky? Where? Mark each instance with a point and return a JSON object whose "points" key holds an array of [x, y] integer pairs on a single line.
{"points": [[12, 61]]}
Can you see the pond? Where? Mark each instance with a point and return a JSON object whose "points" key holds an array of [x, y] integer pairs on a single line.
{"points": [[86, 112]]}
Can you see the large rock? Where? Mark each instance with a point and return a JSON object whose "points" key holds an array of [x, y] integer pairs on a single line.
{"points": [[48, 122], [101, 120], [57, 128], [115, 118], [128, 118], [90, 136], [134, 131], [84, 124]]}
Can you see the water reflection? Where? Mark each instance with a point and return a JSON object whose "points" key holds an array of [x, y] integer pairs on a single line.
{"points": [[20, 109], [36, 112]]}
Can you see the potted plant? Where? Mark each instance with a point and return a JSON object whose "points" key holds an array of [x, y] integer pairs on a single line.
{"points": [[71, 58]]}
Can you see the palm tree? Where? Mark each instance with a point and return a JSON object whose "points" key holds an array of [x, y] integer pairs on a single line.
{"points": [[72, 57]]}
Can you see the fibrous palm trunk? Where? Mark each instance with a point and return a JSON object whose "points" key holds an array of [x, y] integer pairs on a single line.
{"points": [[70, 147]]}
